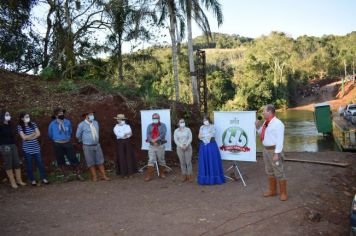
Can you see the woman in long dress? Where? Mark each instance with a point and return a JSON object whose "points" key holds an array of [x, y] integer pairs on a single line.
{"points": [[126, 164], [210, 169]]}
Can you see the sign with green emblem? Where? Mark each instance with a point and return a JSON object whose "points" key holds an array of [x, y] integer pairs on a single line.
{"points": [[236, 135]]}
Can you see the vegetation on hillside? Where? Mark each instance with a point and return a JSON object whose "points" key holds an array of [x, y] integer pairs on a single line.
{"points": [[242, 73]]}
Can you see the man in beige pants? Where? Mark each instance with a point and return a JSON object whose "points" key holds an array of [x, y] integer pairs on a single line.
{"points": [[156, 137], [272, 137]]}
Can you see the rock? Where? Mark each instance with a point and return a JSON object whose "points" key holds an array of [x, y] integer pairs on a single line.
{"points": [[313, 216], [88, 90], [348, 193]]}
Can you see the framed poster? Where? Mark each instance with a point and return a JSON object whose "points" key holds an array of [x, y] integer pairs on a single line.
{"points": [[146, 119], [236, 134]]}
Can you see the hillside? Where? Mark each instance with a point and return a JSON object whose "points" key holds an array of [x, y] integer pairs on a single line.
{"points": [[27, 93]]}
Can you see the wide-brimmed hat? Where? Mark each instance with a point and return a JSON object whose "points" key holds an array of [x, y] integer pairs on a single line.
{"points": [[86, 113], [57, 110], [120, 117]]}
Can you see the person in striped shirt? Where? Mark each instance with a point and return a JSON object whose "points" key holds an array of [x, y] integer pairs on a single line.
{"points": [[29, 133]]}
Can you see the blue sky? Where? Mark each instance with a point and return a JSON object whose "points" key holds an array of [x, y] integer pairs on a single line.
{"points": [[254, 18]]}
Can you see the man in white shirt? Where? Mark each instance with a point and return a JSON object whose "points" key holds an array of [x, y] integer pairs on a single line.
{"points": [[272, 137]]}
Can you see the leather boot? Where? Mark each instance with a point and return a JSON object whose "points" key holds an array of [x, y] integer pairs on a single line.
{"points": [[272, 182], [283, 189], [149, 173], [184, 178], [18, 177], [93, 174], [190, 178], [103, 174], [10, 174], [161, 172]]}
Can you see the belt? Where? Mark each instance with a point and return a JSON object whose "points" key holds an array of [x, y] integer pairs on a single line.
{"points": [[61, 142], [270, 147], [90, 144]]}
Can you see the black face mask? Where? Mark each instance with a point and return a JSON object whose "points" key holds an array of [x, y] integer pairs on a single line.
{"points": [[61, 117]]}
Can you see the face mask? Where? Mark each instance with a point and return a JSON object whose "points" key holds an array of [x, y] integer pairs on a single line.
{"points": [[121, 122], [7, 118], [26, 120], [155, 121], [61, 117], [182, 125], [206, 122], [91, 117]]}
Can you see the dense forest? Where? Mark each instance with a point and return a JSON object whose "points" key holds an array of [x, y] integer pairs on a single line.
{"points": [[83, 40]]}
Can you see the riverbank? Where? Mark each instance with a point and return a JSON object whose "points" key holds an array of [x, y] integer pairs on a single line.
{"points": [[330, 93], [319, 203]]}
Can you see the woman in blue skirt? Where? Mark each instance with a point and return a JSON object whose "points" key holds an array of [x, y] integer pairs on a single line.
{"points": [[210, 169]]}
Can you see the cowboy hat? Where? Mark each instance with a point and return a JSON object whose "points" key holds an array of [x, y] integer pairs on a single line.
{"points": [[57, 110], [120, 117]]}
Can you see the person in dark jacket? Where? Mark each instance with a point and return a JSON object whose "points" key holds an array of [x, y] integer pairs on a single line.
{"points": [[9, 151]]}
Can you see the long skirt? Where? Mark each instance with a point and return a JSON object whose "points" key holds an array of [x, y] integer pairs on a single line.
{"points": [[210, 169], [125, 158]]}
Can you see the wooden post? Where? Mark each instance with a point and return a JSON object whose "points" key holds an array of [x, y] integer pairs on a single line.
{"points": [[343, 79], [353, 71]]}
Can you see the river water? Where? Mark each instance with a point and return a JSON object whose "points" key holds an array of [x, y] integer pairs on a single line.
{"points": [[301, 134]]}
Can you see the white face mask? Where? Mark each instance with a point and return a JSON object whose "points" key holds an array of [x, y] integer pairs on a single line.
{"points": [[182, 125], [122, 122], [91, 117], [206, 122], [26, 120], [7, 118]]}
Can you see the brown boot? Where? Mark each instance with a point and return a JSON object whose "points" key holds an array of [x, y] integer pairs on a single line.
{"points": [[103, 174], [149, 173], [272, 182], [161, 172], [283, 189], [93, 174], [190, 178], [10, 174], [184, 178], [18, 177]]}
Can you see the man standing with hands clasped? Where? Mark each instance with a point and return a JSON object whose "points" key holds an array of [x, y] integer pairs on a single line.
{"points": [[156, 137], [272, 136]]}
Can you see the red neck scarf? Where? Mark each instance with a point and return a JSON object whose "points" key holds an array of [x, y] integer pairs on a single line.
{"points": [[265, 127], [155, 131]]}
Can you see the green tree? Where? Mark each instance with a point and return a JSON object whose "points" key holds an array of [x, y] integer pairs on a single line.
{"points": [[126, 22], [18, 42], [193, 10]]}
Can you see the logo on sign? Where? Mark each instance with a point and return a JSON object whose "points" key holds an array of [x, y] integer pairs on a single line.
{"points": [[234, 140]]}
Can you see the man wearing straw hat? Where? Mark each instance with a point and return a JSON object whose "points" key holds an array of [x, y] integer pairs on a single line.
{"points": [[126, 164]]}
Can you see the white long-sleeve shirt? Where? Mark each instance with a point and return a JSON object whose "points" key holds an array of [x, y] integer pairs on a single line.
{"points": [[121, 130], [274, 134], [182, 137], [206, 132]]}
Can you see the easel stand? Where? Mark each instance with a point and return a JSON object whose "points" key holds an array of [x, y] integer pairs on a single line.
{"points": [[235, 167], [156, 166]]}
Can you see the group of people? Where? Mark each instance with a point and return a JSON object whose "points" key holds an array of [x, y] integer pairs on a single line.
{"points": [[210, 170]]}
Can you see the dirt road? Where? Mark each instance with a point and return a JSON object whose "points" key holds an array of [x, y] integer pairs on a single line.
{"points": [[169, 207]]}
